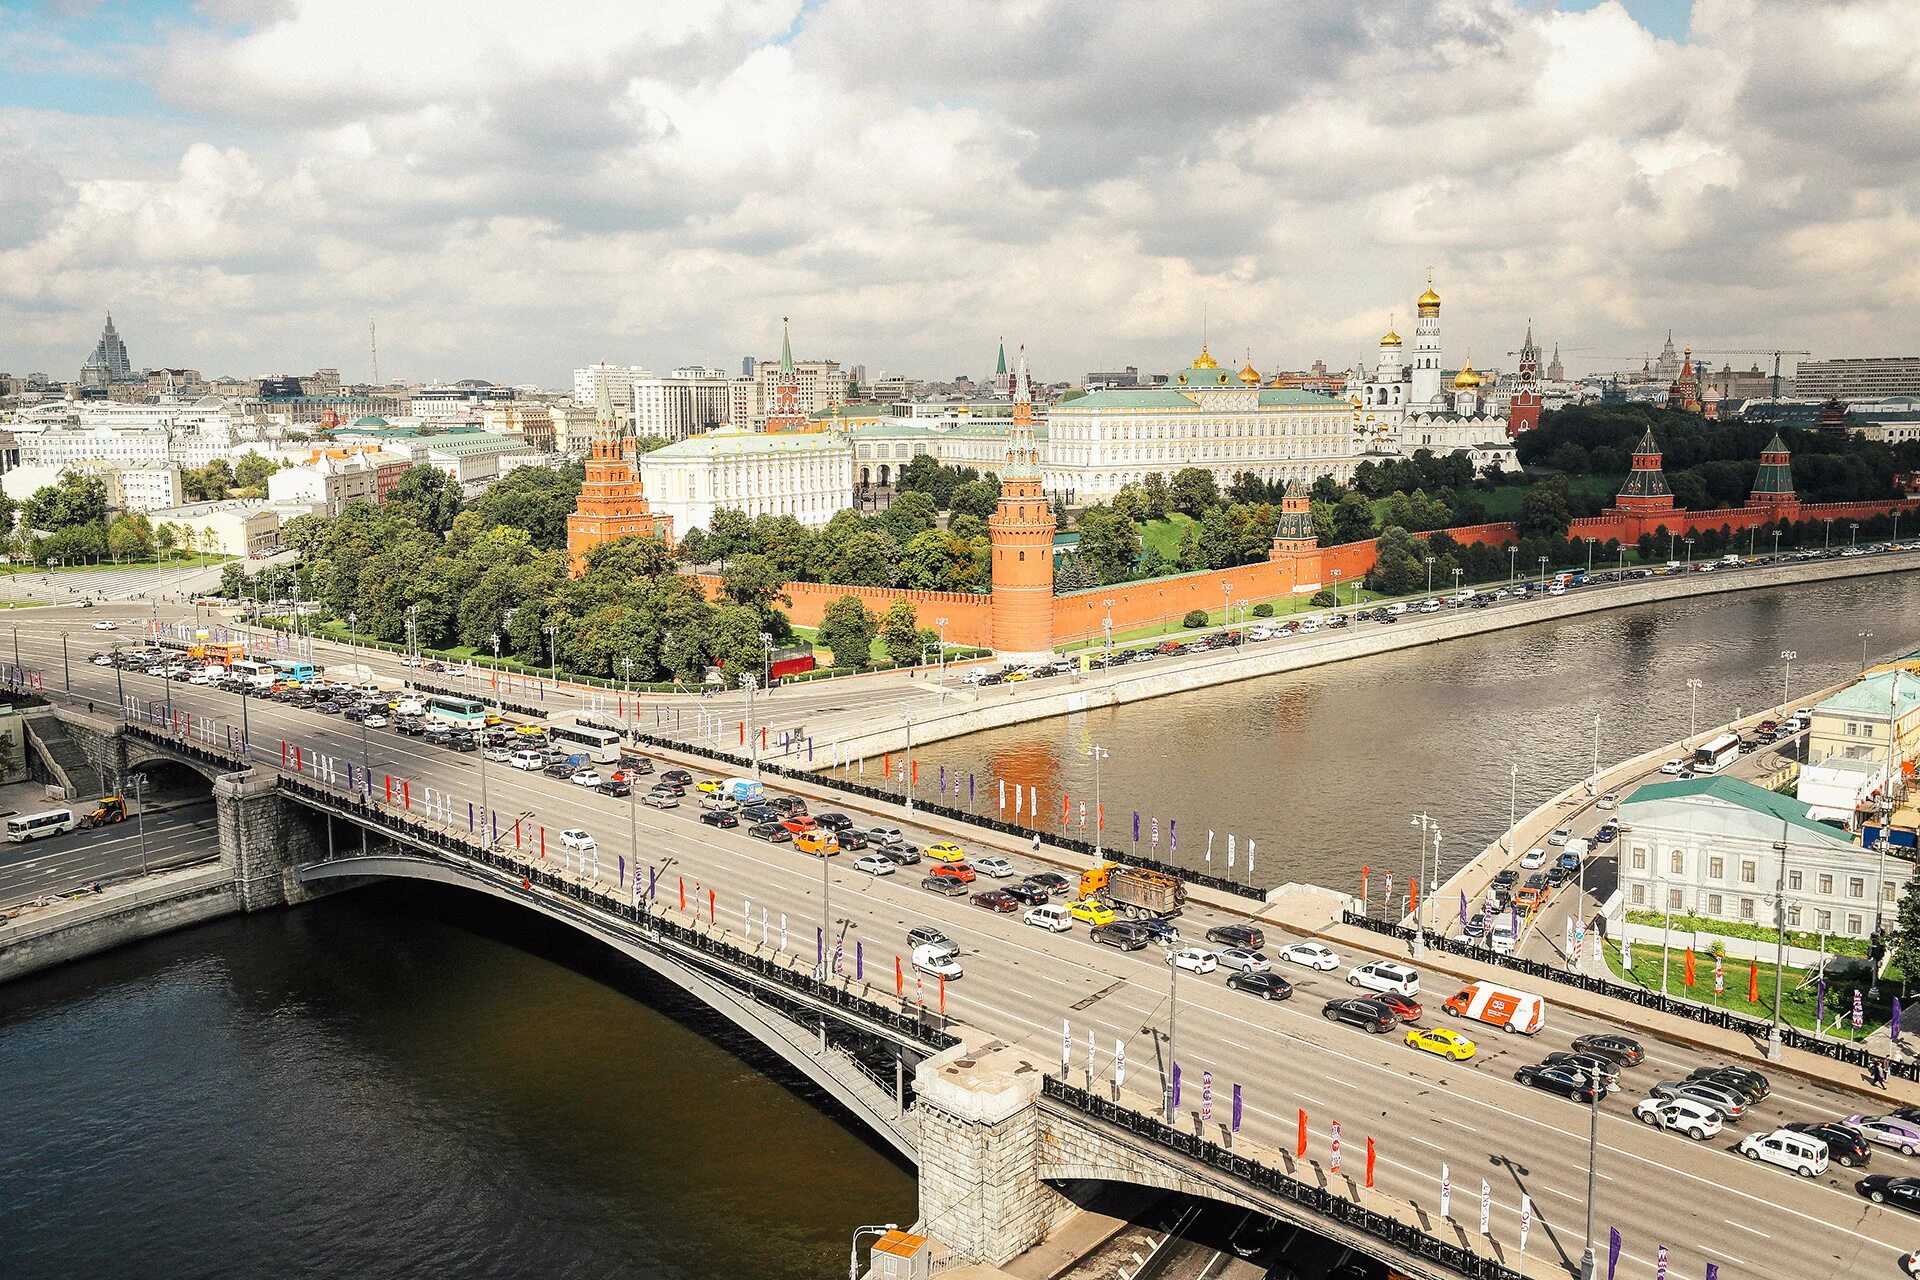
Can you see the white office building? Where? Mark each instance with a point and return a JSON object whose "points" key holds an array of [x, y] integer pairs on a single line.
{"points": [[686, 402], [804, 474], [618, 377], [328, 483]]}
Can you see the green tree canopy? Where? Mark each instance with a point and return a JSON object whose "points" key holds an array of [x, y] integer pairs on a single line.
{"points": [[847, 629]]}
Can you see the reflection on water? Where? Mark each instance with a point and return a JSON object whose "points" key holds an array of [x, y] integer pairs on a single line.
{"points": [[1324, 770]]}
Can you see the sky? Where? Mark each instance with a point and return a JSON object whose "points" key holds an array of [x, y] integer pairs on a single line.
{"points": [[511, 190]]}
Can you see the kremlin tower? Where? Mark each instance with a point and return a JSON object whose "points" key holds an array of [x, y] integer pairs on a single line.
{"points": [[1021, 533], [785, 415], [1646, 488], [611, 505], [1425, 392], [1773, 483], [1523, 407]]}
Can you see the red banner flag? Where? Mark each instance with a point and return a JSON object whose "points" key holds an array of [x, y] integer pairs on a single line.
{"points": [[1689, 970], [296, 758], [1365, 871], [683, 893], [543, 841], [916, 773], [1369, 1162], [743, 733], [389, 788], [1753, 982], [1413, 895], [943, 995], [406, 793], [1302, 1152], [886, 764], [516, 833], [899, 979], [712, 915], [1064, 808]]}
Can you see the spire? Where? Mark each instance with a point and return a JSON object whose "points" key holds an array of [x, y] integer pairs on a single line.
{"points": [[1000, 368], [1023, 456], [603, 403], [1528, 344], [786, 350]]}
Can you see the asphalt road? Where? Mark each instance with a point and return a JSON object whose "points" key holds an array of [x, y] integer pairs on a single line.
{"points": [[59, 864], [1701, 1200]]}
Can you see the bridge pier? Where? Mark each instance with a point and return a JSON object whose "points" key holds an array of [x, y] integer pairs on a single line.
{"points": [[264, 839], [981, 1192]]}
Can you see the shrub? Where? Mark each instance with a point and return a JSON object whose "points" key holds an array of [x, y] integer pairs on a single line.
{"points": [[1324, 598], [1263, 610], [1194, 618]]}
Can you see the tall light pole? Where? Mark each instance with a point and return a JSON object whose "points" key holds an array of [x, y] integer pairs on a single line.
{"points": [[1689, 542], [1590, 542], [1227, 588], [753, 731], [353, 629], [1098, 753], [140, 816], [909, 718], [1853, 539], [1829, 545], [766, 662], [1864, 637], [1456, 588], [1336, 588], [1513, 802], [853, 1258], [1107, 626], [1512, 552], [1429, 575], [553, 652], [1593, 783], [1543, 573], [1173, 1011], [1780, 943], [1786, 680], [1596, 1086], [1693, 707], [942, 624], [1425, 823], [1776, 544]]}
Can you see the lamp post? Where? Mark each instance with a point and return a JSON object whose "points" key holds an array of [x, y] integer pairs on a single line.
{"points": [[1864, 637], [1693, 707], [766, 662], [942, 624], [626, 666], [753, 732], [1590, 542], [1098, 753], [1429, 575], [1336, 588], [140, 816], [1425, 823], [1776, 544], [1829, 545], [1543, 573], [1853, 532], [853, 1258], [553, 652], [1595, 1087], [353, 629], [1780, 942], [1786, 680], [1173, 1011], [1689, 542], [1227, 588], [1593, 783], [1107, 626], [1513, 801], [1512, 552], [909, 719]]}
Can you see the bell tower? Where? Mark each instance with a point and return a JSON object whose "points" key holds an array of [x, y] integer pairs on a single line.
{"points": [[1021, 533], [1523, 406]]}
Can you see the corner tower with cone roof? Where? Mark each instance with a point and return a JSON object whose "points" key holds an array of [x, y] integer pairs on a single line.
{"points": [[1646, 487], [1773, 483], [1021, 534]]}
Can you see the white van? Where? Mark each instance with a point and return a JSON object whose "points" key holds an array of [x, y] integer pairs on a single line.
{"points": [[531, 761], [1385, 975], [940, 960], [1049, 916], [23, 827], [1806, 1156], [1500, 937]]}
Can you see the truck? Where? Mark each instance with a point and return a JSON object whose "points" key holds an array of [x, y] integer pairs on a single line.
{"points": [[1503, 1007], [743, 791], [1134, 891]]}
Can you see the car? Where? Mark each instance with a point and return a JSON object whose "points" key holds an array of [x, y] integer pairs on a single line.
{"points": [[1749, 1084], [996, 901], [1475, 927], [106, 624], [101, 659], [585, 778], [1881, 1188], [1806, 1156], [1312, 955], [815, 841], [1268, 986], [754, 812], [711, 786], [1729, 1104], [945, 886], [1195, 960], [576, 838], [787, 806], [1624, 1050], [1845, 1143], [1047, 915], [666, 786], [1902, 1135], [1370, 1015], [375, 720], [941, 961], [1560, 836], [945, 851], [1091, 910], [1404, 1007], [771, 832], [720, 818], [1590, 1065], [1683, 1115], [956, 871], [1568, 1084], [902, 855], [1607, 834], [641, 766], [1443, 1041], [1242, 960], [799, 824], [1557, 876], [839, 823], [1026, 891], [1611, 800], [615, 787], [998, 868], [925, 935], [874, 865], [1158, 930], [1237, 935], [680, 776], [1053, 882], [1673, 768], [1119, 933], [1385, 975], [660, 800], [1534, 859], [1506, 878], [857, 840]]}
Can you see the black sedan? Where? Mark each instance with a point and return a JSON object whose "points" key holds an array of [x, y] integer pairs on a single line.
{"points": [[1845, 1144], [850, 839], [1560, 1080], [720, 818], [1268, 986], [1624, 1050], [945, 886], [1026, 892], [1587, 1065], [1237, 935], [680, 776], [771, 832], [1052, 881], [758, 812], [836, 822], [615, 787], [1883, 1189], [1367, 1014]]}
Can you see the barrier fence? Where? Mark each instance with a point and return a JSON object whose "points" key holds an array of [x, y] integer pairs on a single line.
{"points": [[1390, 1230], [1726, 1019]]}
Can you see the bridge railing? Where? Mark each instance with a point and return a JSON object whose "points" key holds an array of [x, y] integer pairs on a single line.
{"points": [[1725, 1019], [229, 760], [1383, 1227], [773, 972]]}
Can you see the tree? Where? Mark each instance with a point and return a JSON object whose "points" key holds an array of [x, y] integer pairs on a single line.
{"points": [[1109, 544], [939, 561], [428, 496], [846, 630], [755, 581], [1906, 926], [1543, 512], [899, 634], [1154, 496], [209, 483], [1194, 618], [8, 510], [130, 537], [252, 470], [911, 513], [976, 498], [1194, 490], [1322, 599], [1352, 519], [1399, 566], [74, 499], [866, 557], [537, 499]]}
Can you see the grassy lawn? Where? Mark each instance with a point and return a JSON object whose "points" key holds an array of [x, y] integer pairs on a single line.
{"points": [[1218, 617], [1164, 535], [1797, 1003], [876, 652], [1504, 502], [172, 562]]}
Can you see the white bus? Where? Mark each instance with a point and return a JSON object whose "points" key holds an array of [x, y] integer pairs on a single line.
{"points": [[1712, 757], [601, 746], [31, 826]]}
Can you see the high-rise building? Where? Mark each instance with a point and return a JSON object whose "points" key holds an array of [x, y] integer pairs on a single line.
{"points": [[746, 366], [618, 377], [686, 402], [1868, 378], [109, 359]]}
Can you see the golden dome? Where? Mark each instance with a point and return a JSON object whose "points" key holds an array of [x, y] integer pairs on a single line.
{"points": [[1205, 361], [1429, 298], [1250, 375], [1390, 338], [1466, 379]]}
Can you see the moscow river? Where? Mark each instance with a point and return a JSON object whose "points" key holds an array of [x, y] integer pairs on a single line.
{"points": [[409, 1081]]}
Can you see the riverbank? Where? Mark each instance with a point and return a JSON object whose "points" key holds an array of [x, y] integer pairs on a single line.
{"points": [[36, 938], [967, 711]]}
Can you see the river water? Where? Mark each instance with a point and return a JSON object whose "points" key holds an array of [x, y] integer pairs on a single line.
{"points": [[411, 1081], [1325, 770]]}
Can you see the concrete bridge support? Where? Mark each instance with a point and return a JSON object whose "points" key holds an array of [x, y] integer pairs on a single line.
{"points": [[264, 838], [981, 1192]]}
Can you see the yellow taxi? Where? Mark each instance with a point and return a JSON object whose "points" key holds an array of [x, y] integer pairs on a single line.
{"points": [[946, 851], [711, 786], [1441, 1041], [492, 719], [1014, 677], [529, 730], [1093, 911], [817, 841]]}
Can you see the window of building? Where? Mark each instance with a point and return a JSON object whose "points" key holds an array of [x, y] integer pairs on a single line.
{"points": [[1823, 921], [1793, 879], [1853, 924], [1713, 904], [1639, 859], [1746, 908], [1679, 862], [1639, 895], [1747, 871], [1826, 884], [1675, 900], [1793, 917], [1889, 891], [1716, 868], [1856, 887]]}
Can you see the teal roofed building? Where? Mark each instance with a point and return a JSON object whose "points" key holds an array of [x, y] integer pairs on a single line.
{"points": [[807, 475], [1858, 722]]}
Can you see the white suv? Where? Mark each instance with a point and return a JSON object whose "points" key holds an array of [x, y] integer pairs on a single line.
{"points": [[1695, 1119], [1385, 975], [575, 838]]}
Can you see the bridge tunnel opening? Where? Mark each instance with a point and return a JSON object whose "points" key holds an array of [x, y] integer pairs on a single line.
{"points": [[167, 783]]}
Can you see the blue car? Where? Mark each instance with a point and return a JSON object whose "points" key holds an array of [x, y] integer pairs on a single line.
{"points": [[1568, 862], [1157, 930], [1606, 834]]}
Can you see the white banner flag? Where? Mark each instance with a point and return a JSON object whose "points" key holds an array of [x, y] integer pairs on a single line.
{"points": [[1003, 793], [1119, 1063], [1526, 1220], [1229, 851], [1249, 859], [1486, 1206], [1209, 844], [1066, 1046], [1446, 1189]]}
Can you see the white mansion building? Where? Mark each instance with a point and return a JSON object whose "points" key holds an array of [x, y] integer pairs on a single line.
{"points": [[804, 474]]}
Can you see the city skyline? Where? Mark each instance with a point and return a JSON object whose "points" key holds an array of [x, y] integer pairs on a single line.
{"points": [[246, 194]]}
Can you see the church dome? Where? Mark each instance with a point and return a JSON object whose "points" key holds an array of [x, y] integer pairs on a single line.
{"points": [[1204, 360], [1466, 379], [1250, 375], [1429, 298], [1389, 338]]}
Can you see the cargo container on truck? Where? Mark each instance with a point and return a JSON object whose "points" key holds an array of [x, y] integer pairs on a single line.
{"points": [[1134, 891]]}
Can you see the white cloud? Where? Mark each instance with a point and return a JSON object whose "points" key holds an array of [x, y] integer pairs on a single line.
{"points": [[513, 189]]}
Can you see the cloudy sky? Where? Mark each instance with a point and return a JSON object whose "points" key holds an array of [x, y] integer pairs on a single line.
{"points": [[512, 189]]}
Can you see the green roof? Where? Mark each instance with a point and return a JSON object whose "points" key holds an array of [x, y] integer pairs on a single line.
{"points": [[1769, 804], [1873, 695], [907, 428], [715, 443], [1294, 396], [1128, 398]]}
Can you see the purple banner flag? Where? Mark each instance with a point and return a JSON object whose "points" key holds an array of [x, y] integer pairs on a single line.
{"points": [[1613, 1250], [1176, 1086], [1173, 841], [1136, 826], [1236, 1108]]}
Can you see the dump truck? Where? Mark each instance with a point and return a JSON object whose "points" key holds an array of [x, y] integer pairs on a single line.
{"points": [[1135, 892]]}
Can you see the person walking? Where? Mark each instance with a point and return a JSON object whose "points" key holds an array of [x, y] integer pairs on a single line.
{"points": [[1036, 842]]}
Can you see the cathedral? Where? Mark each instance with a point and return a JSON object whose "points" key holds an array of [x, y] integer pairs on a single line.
{"points": [[1402, 406]]}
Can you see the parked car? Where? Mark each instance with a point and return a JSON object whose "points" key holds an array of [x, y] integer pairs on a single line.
{"points": [[1369, 1015], [1845, 1143], [1568, 1084], [1624, 1050], [1902, 1135], [1119, 933], [1242, 960], [1266, 985]]}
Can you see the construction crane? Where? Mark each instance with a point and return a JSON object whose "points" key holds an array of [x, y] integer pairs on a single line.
{"points": [[1776, 353]]}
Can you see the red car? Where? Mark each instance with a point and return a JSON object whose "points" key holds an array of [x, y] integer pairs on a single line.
{"points": [[1404, 1009], [799, 825], [995, 900], [952, 871]]}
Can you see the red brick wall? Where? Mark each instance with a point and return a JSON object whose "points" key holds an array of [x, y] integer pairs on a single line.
{"points": [[1078, 615], [969, 617]]}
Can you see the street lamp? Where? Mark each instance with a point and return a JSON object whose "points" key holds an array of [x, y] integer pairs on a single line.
{"points": [[1543, 573], [1425, 823], [1853, 540], [1786, 680], [1689, 542], [1456, 588], [1776, 544], [853, 1258], [1512, 552], [766, 662], [1173, 1010], [1829, 545], [909, 719], [1596, 1087], [1593, 783], [353, 629], [1336, 588], [1098, 753], [1107, 626], [1864, 637], [1429, 575], [1590, 543], [1227, 588], [1693, 707], [1513, 801], [753, 732], [942, 624]]}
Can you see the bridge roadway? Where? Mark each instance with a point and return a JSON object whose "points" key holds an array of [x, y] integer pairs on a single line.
{"points": [[1701, 1200]]}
